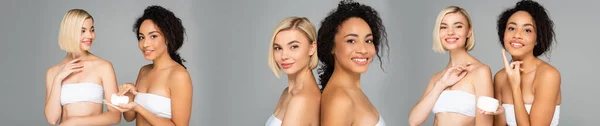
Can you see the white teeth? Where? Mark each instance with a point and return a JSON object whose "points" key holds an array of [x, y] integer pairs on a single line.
{"points": [[516, 44], [359, 60]]}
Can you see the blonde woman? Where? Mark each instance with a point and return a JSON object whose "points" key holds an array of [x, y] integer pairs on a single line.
{"points": [[293, 50], [453, 92], [76, 86]]}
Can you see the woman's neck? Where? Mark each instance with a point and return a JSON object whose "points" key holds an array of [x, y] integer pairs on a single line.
{"points": [[344, 77], [82, 56], [162, 62], [301, 79], [529, 64], [460, 57]]}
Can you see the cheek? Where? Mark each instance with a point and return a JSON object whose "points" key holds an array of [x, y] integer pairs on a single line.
{"points": [[532, 37], [371, 49], [93, 35], [507, 36], [277, 57]]}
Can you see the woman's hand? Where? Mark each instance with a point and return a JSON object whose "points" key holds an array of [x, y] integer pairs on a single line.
{"points": [[453, 75], [71, 67], [127, 89], [498, 111], [123, 107], [513, 70]]}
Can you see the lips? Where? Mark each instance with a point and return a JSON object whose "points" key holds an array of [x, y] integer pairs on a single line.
{"points": [[148, 52], [360, 60], [87, 42], [286, 65], [451, 40], [516, 44]]}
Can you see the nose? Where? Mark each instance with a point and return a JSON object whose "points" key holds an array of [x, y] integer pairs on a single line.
{"points": [[87, 35], [361, 48], [450, 31], [284, 55], [517, 34], [145, 43]]}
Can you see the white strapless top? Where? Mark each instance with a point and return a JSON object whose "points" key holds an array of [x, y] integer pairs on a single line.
{"points": [[455, 101], [381, 122], [81, 92], [273, 121], [158, 105], [509, 112]]}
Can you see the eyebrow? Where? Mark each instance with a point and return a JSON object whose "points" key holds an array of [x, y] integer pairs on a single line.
{"points": [[86, 28], [152, 32], [528, 24], [458, 23], [355, 35], [293, 41], [369, 35]]}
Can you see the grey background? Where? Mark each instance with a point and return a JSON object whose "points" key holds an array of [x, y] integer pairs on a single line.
{"points": [[227, 46]]}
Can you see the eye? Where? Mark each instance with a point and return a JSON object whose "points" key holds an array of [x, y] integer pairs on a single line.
{"points": [[511, 28], [294, 47], [528, 30], [82, 31], [153, 36], [351, 41], [443, 27], [276, 48], [140, 38], [460, 26], [93, 30], [369, 41]]}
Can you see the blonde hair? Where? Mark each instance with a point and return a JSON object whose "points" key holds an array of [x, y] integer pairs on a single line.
{"points": [[294, 23], [437, 43], [70, 30]]}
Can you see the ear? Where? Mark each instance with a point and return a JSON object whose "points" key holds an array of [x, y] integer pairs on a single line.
{"points": [[470, 32], [313, 48]]}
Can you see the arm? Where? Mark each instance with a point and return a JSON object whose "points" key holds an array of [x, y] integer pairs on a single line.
{"points": [[499, 82], [483, 87], [301, 111], [53, 108], [131, 115], [181, 102], [547, 85], [337, 110], [112, 116], [421, 110]]}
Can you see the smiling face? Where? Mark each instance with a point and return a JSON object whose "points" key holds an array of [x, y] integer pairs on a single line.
{"points": [[151, 41], [292, 51], [88, 35], [454, 31], [520, 34], [354, 48]]}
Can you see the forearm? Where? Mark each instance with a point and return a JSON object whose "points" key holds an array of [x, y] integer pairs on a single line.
{"points": [[521, 115], [129, 116], [106, 118], [153, 119], [53, 108], [420, 112]]}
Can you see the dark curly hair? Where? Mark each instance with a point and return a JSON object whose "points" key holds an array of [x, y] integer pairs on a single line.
{"points": [[544, 26], [330, 25], [169, 25]]}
